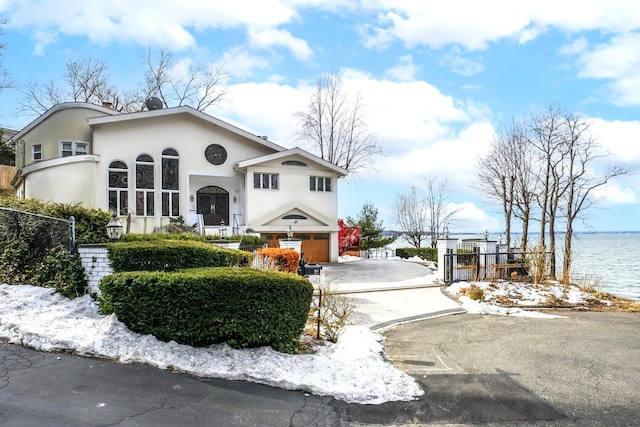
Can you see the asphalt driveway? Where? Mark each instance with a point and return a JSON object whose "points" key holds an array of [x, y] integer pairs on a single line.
{"points": [[583, 370]]}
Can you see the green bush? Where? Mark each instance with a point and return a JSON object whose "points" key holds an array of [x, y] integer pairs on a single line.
{"points": [[134, 237], [21, 264], [34, 250], [172, 255], [90, 223], [427, 254], [243, 307]]}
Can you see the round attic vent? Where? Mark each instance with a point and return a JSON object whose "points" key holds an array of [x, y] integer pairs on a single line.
{"points": [[153, 103]]}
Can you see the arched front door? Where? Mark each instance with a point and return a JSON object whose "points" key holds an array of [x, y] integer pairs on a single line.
{"points": [[213, 204]]}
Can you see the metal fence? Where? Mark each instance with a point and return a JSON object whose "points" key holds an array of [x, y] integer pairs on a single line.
{"points": [[476, 266], [37, 230]]}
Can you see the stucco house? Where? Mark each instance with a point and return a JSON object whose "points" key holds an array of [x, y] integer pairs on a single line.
{"points": [[163, 163]]}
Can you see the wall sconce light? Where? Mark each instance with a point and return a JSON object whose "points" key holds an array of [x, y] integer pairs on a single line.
{"points": [[114, 228], [289, 233]]}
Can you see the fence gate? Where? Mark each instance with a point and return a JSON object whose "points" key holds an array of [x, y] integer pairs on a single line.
{"points": [[474, 266]]}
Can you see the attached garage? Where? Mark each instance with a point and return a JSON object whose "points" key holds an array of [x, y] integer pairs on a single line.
{"points": [[315, 246]]}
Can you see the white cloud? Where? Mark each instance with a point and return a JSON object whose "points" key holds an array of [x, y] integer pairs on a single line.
{"points": [[617, 61], [265, 38], [471, 218], [159, 23], [474, 25], [619, 138], [405, 70], [459, 64], [239, 62]]}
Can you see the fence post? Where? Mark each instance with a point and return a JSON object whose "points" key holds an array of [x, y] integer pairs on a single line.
{"points": [[72, 235], [319, 309]]}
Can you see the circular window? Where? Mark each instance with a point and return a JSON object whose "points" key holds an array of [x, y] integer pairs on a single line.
{"points": [[215, 154]]}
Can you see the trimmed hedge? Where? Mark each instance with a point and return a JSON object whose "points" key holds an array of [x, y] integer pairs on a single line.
{"points": [[281, 259], [243, 307], [90, 223], [172, 255], [135, 237], [427, 254]]}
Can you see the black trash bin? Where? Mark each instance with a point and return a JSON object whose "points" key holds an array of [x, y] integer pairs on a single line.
{"points": [[312, 269]]}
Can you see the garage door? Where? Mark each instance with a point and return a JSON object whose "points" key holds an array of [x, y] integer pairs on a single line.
{"points": [[315, 246]]}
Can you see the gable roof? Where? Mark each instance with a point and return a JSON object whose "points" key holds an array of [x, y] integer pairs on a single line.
{"points": [[60, 107], [295, 208], [173, 111], [290, 152]]}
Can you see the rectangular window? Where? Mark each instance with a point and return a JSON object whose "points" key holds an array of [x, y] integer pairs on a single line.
{"points": [[36, 152], [73, 148], [144, 203], [118, 201], [319, 183], [66, 149], [170, 203], [268, 181]]}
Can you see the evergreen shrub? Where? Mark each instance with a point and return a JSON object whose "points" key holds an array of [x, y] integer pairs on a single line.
{"points": [[172, 255], [243, 307], [427, 254]]}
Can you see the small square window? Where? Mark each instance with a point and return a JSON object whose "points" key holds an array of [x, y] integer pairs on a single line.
{"points": [[36, 152]]}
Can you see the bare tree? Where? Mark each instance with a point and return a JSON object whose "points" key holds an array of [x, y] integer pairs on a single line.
{"points": [[496, 174], [6, 81], [581, 150], [200, 87], [546, 136], [441, 214], [411, 215], [334, 125], [87, 80]]}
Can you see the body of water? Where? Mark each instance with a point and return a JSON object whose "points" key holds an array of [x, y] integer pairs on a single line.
{"points": [[611, 259]]}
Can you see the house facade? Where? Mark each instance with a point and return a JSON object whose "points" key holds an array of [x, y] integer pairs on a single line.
{"points": [[152, 166]]}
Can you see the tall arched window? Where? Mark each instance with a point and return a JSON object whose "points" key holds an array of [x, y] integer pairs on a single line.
{"points": [[117, 193], [144, 185], [170, 183]]}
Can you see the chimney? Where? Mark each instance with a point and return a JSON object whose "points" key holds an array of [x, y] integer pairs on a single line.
{"points": [[107, 104]]}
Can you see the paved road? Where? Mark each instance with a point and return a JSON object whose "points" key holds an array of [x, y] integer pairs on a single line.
{"points": [[48, 389], [584, 370]]}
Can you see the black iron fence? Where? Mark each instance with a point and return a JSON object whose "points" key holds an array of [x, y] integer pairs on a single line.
{"points": [[469, 264]]}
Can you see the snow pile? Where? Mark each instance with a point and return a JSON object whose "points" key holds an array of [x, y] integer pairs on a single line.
{"points": [[498, 294], [353, 370]]}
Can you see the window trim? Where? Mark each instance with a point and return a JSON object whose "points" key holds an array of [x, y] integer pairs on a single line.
{"points": [[121, 193], [172, 195], [266, 181], [321, 184], [35, 151], [73, 149], [143, 194]]}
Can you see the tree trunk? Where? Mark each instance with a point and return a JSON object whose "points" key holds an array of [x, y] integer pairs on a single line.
{"points": [[552, 247]]}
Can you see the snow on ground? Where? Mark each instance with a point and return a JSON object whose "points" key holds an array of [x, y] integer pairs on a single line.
{"points": [[514, 294], [354, 369]]}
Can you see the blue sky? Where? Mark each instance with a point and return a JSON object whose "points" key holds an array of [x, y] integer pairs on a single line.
{"points": [[438, 78]]}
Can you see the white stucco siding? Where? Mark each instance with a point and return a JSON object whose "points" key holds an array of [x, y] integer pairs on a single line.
{"points": [[293, 190], [69, 124], [189, 136], [66, 180]]}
